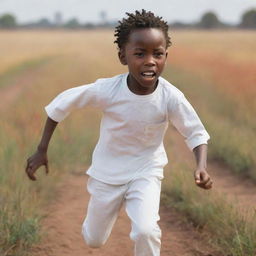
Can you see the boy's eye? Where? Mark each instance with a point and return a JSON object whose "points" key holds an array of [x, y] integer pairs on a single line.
{"points": [[139, 54], [159, 54]]}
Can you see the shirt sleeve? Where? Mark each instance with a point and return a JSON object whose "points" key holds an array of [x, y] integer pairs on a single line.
{"points": [[183, 116], [74, 98]]}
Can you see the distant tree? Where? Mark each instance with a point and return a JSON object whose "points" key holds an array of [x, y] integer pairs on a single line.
{"points": [[209, 20], [179, 25], [44, 22], [72, 23], [89, 25], [7, 21], [249, 19]]}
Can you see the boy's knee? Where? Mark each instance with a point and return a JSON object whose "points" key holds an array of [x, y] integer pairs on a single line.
{"points": [[95, 242]]}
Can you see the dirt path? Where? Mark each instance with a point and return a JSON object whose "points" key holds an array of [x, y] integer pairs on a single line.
{"points": [[63, 226], [63, 223]]}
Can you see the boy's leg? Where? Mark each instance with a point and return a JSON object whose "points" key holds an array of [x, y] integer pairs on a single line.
{"points": [[103, 208], [142, 207]]}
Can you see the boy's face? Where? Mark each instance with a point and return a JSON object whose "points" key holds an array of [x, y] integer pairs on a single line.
{"points": [[145, 54]]}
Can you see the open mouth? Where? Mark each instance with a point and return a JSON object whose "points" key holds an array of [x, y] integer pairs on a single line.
{"points": [[149, 74]]}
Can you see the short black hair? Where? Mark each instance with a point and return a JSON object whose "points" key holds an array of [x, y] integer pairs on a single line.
{"points": [[139, 20]]}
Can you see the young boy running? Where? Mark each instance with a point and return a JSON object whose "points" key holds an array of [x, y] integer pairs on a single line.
{"points": [[128, 160]]}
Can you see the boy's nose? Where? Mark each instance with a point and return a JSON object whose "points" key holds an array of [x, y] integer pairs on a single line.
{"points": [[149, 61]]}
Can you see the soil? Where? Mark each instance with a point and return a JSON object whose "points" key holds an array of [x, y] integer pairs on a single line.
{"points": [[62, 228]]}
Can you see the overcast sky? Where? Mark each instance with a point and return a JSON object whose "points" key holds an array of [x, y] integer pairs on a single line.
{"points": [[88, 10]]}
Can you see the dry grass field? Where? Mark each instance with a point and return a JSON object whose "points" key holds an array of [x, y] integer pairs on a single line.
{"points": [[215, 70], [228, 59]]}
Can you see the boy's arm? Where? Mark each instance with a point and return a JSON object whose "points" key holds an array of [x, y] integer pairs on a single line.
{"points": [[202, 178], [39, 158], [185, 119]]}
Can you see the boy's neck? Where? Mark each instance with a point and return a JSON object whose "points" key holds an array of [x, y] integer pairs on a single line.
{"points": [[136, 88]]}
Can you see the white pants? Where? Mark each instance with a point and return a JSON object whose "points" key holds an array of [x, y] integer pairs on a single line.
{"points": [[141, 198]]}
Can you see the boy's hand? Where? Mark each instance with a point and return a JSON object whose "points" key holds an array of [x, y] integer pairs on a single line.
{"points": [[34, 162], [203, 179]]}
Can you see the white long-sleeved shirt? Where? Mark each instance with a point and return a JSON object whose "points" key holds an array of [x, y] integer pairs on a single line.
{"points": [[132, 127]]}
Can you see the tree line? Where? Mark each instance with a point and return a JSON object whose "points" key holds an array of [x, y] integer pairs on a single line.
{"points": [[208, 21]]}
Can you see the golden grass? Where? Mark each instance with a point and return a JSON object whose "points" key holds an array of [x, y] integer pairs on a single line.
{"points": [[227, 58], [77, 58], [20, 46], [216, 70], [238, 46]]}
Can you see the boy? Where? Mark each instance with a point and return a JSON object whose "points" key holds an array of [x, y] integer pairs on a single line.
{"points": [[127, 164]]}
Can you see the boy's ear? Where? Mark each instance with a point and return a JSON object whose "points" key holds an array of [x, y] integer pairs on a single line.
{"points": [[122, 58], [166, 55]]}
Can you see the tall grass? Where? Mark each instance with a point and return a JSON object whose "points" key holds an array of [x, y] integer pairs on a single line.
{"points": [[217, 73], [82, 58], [227, 58], [20, 129], [21, 199], [229, 231], [232, 131]]}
